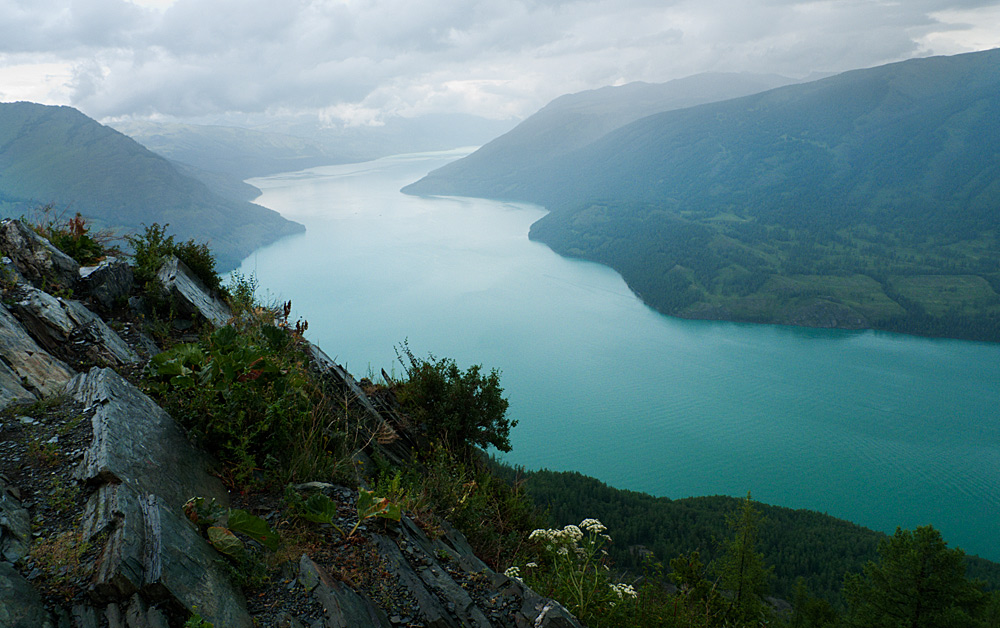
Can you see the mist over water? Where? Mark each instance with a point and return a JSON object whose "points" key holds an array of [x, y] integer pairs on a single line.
{"points": [[882, 429]]}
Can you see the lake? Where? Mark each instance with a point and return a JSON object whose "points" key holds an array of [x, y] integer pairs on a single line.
{"points": [[881, 429]]}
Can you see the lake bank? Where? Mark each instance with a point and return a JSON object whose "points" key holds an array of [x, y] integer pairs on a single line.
{"points": [[877, 428]]}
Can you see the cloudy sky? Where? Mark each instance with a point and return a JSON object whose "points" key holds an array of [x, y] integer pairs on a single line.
{"points": [[361, 60]]}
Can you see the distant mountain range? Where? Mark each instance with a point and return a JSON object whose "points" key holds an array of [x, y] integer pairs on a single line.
{"points": [[573, 121], [867, 199], [58, 155], [296, 143]]}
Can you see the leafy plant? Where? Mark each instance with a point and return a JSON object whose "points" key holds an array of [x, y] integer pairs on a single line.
{"points": [[153, 245], [571, 567], [319, 508], [197, 621], [494, 514], [461, 408], [221, 526], [248, 396], [73, 237], [371, 506]]}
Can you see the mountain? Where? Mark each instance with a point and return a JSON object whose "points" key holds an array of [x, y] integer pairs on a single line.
{"points": [[229, 150], [58, 155], [575, 120], [297, 143], [865, 200]]}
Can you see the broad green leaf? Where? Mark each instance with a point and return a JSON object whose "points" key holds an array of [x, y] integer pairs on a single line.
{"points": [[277, 338], [319, 508], [224, 337], [225, 542], [371, 506], [254, 527]]}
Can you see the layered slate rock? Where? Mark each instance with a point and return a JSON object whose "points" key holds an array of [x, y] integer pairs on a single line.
{"points": [[435, 583], [15, 525], [68, 328], [137, 442], [190, 295], [107, 283], [27, 370], [145, 470], [20, 605], [152, 555], [344, 607], [35, 258]]}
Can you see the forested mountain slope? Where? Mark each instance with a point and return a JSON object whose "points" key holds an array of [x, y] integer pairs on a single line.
{"points": [[797, 543], [58, 155], [573, 121], [867, 199]]}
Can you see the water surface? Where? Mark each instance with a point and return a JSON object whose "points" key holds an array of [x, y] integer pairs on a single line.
{"points": [[882, 429]]}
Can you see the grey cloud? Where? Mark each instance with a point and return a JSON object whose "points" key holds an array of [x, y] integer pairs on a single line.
{"points": [[51, 25], [510, 56]]}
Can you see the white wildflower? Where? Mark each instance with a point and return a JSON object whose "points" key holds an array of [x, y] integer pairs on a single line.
{"points": [[531, 565], [513, 572], [624, 590], [573, 533], [593, 525]]}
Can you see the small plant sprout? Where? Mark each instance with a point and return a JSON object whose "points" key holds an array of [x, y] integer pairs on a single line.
{"points": [[321, 509], [370, 506]]}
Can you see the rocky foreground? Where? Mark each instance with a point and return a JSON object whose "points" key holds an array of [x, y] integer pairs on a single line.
{"points": [[94, 476]]}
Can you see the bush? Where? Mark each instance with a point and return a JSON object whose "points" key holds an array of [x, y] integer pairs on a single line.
{"points": [[462, 409], [494, 514], [73, 237], [248, 396], [152, 246]]}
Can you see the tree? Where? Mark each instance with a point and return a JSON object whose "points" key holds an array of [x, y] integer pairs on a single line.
{"points": [[917, 583], [741, 569], [462, 408]]}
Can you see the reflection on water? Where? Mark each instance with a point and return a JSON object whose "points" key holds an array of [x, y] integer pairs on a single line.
{"points": [[878, 428]]}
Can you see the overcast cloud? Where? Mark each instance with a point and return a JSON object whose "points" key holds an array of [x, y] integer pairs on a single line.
{"points": [[358, 61]]}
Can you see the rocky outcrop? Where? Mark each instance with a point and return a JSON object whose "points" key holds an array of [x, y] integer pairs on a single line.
{"points": [[152, 555], [107, 283], [69, 329], [189, 294], [26, 370], [35, 258], [21, 606], [128, 469], [136, 442], [15, 524]]}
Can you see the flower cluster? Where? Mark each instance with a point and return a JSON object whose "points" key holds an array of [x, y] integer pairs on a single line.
{"points": [[623, 590], [572, 568], [593, 525], [569, 534]]}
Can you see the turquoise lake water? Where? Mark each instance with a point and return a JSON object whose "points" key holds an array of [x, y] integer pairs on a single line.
{"points": [[882, 429]]}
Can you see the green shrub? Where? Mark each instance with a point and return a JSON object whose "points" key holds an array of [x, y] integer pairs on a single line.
{"points": [[494, 515], [73, 237], [461, 408], [153, 245], [247, 395]]}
